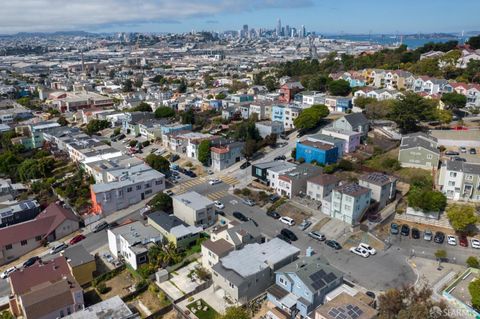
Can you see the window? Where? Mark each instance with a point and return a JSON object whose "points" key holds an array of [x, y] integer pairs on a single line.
{"points": [[129, 189], [429, 156], [159, 182], [38, 238], [453, 174], [148, 192], [23, 242], [451, 183], [8, 247], [139, 187], [148, 185], [469, 177]]}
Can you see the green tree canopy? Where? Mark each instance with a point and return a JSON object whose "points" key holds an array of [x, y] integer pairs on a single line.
{"points": [[62, 121], [161, 201], [426, 200], [96, 125], [249, 148], [339, 87], [142, 107], [204, 153], [474, 42], [461, 217], [188, 117], [220, 96], [247, 130], [311, 117], [454, 100], [158, 162], [363, 101], [127, 86], [411, 109], [474, 289], [164, 112]]}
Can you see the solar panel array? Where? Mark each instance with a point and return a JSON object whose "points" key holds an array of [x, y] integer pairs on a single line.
{"points": [[346, 312], [321, 278]]}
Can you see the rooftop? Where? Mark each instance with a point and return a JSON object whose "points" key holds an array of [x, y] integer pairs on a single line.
{"points": [[345, 306], [113, 308], [219, 247], [77, 255], [193, 200], [377, 178], [352, 189], [324, 179]]}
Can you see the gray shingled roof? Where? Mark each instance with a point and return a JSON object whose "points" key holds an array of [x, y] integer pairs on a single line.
{"points": [[356, 119], [464, 167], [419, 140]]}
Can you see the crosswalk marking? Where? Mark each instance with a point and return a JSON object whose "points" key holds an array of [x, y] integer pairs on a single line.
{"points": [[229, 180], [217, 195]]}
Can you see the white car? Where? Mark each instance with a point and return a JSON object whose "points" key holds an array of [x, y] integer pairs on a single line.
{"points": [[368, 248], [287, 220], [451, 240], [219, 204], [360, 251], [7, 272], [475, 243], [214, 181]]}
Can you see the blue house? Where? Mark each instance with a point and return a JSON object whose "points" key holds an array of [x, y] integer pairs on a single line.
{"points": [[170, 128], [278, 113], [355, 82], [344, 104], [300, 287], [316, 151], [240, 98]]}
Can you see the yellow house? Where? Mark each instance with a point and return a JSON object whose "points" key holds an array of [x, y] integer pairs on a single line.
{"points": [[174, 230], [81, 263]]}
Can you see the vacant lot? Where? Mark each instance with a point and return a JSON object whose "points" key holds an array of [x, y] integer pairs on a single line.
{"points": [[120, 285], [293, 212]]}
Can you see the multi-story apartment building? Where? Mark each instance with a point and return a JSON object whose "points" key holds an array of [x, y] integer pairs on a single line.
{"points": [[194, 209], [349, 202], [382, 186], [419, 150], [226, 155], [460, 180]]}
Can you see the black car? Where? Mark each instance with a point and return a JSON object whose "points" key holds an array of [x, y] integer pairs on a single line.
{"points": [[439, 237], [190, 173], [451, 153], [415, 233], [100, 227], [280, 158], [458, 159], [30, 261], [240, 216], [274, 198], [219, 212], [274, 215], [472, 151], [245, 165], [405, 230], [289, 234], [282, 237], [174, 158], [332, 243]]}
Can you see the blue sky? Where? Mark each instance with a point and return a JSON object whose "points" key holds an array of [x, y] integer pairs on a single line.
{"points": [[324, 16]]}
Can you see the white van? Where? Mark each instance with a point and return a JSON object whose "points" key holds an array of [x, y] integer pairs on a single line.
{"points": [[57, 247], [287, 220]]}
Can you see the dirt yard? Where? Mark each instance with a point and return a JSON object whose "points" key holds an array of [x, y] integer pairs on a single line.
{"points": [[119, 285], [293, 212]]}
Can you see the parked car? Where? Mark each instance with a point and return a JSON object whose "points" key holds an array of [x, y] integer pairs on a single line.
{"points": [[475, 243], [289, 234], [405, 230], [77, 239], [220, 212], [280, 158], [332, 243], [274, 215], [463, 241], [304, 224], [452, 153], [458, 159], [174, 158], [245, 165], [439, 237], [451, 240], [99, 227], [428, 235], [473, 151], [240, 216], [317, 235], [360, 251], [463, 149], [219, 204], [284, 238], [287, 220], [30, 261], [394, 229], [249, 202], [214, 181], [57, 247], [7, 272], [274, 198], [368, 248], [415, 233]]}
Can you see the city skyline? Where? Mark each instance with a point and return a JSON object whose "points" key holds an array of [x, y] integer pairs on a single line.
{"points": [[328, 17]]}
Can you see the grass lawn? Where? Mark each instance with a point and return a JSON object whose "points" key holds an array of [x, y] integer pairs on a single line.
{"points": [[378, 162], [209, 314], [406, 174]]}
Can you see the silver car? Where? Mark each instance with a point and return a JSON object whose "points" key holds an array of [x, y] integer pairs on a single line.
{"points": [[316, 235], [428, 235], [304, 224]]}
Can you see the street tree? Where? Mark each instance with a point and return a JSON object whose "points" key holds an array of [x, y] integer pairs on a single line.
{"points": [[204, 153], [462, 217]]}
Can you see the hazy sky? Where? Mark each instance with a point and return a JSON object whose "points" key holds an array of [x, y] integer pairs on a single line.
{"points": [[325, 16]]}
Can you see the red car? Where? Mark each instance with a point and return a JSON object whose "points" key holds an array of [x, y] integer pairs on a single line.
{"points": [[463, 241], [76, 239]]}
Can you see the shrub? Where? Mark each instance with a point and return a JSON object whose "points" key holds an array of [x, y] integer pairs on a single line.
{"points": [[473, 262], [237, 191], [246, 192], [330, 169], [102, 288], [146, 143], [140, 285], [345, 165], [301, 160], [132, 143]]}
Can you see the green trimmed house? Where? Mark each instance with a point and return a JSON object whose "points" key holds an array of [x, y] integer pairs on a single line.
{"points": [[419, 150]]}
